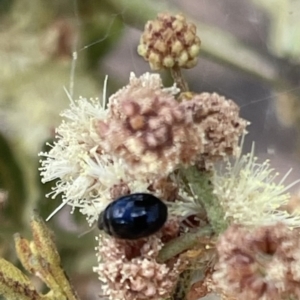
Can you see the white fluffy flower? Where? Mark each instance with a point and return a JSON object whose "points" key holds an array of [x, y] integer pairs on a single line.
{"points": [[84, 174], [249, 195]]}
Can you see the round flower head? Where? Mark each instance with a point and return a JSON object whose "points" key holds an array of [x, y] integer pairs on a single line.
{"points": [[169, 41], [218, 120], [146, 127]]}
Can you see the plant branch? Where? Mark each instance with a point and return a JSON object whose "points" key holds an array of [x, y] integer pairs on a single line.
{"points": [[182, 243]]}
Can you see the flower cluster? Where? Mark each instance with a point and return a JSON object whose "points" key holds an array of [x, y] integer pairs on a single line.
{"points": [[135, 145], [155, 134], [153, 139]]}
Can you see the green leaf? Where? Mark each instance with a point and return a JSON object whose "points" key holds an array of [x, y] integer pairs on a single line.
{"points": [[14, 284]]}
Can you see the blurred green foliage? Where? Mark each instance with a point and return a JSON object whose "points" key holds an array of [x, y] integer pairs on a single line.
{"points": [[12, 181], [284, 37], [36, 64], [5, 6]]}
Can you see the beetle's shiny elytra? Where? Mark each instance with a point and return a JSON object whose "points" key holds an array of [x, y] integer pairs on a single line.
{"points": [[133, 216]]}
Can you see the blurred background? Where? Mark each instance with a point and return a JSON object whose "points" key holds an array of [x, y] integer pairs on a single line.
{"points": [[250, 53]]}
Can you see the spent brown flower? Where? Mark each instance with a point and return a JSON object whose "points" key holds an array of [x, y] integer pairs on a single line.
{"points": [[169, 41], [218, 120], [259, 264]]}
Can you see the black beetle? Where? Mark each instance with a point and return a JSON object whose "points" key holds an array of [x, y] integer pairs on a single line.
{"points": [[133, 216]]}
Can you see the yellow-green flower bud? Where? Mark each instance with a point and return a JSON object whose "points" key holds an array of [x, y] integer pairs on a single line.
{"points": [[169, 41]]}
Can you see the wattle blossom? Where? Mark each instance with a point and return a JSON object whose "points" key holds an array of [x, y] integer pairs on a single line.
{"points": [[249, 194]]}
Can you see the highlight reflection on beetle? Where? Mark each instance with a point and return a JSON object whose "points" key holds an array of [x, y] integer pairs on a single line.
{"points": [[133, 216]]}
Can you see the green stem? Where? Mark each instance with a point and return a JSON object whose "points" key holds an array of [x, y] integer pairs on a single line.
{"points": [[182, 243], [200, 183], [178, 79]]}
